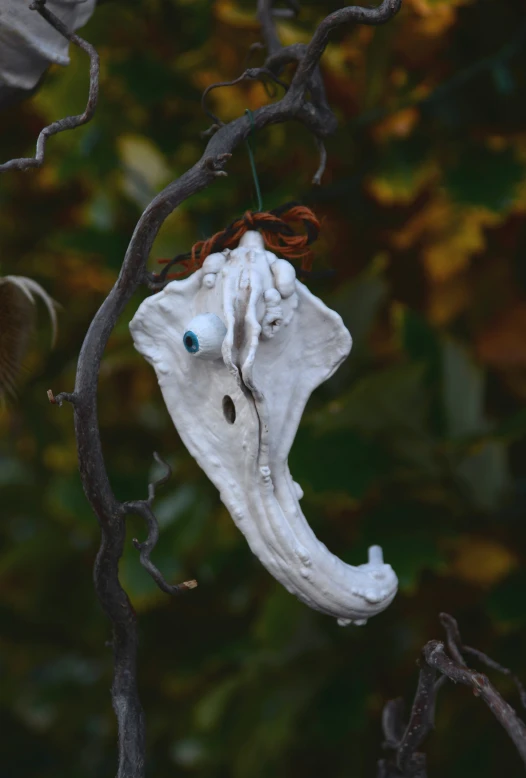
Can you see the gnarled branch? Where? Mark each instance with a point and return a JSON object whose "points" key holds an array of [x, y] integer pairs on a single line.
{"points": [[436, 668], [144, 509]]}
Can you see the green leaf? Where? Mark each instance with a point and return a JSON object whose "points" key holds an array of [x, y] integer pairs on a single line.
{"points": [[506, 601], [388, 401], [338, 460], [485, 177]]}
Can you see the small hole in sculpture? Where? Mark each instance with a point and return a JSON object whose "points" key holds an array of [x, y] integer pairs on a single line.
{"points": [[229, 409]]}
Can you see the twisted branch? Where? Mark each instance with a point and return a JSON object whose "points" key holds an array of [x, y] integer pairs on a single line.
{"points": [[251, 74], [436, 656], [68, 122], [143, 508], [435, 669], [456, 649]]}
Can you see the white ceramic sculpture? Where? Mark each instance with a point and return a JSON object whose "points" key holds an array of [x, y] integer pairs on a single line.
{"points": [[238, 347], [28, 44]]}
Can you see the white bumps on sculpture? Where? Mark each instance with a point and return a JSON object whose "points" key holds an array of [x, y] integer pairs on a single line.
{"points": [[266, 344], [29, 44]]}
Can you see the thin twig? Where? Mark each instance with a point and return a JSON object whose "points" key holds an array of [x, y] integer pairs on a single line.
{"points": [[61, 398], [421, 719], [323, 162], [408, 762], [436, 657], [454, 641], [268, 27], [68, 122], [279, 57], [370, 16], [162, 480], [252, 74], [489, 662], [404, 738], [457, 648], [143, 508]]}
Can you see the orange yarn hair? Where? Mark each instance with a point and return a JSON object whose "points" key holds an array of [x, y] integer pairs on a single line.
{"points": [[275, 229]]}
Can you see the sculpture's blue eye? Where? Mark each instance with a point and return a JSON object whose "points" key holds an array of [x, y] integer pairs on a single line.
{"points": [[191, 342], [204, 336]]}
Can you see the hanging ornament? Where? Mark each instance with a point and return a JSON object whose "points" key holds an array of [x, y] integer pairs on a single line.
{"points": [[238, 347]]}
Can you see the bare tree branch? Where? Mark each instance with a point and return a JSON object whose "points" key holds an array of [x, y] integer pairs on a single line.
{"points": [[143, 508], [409, 763], [421, 720], [266, 15], [370, 16], [59, 399], [68, 122], [454, 641], [318, 175], [279, 56], [436, 657], [251, 74], [456, 649]]}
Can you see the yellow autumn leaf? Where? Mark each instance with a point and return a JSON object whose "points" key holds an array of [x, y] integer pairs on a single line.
{"points": [[229, 13], [399, 186], [482, 562], [399, 124], [461, 238], [450, 233], [290, 33], [434, 17]]}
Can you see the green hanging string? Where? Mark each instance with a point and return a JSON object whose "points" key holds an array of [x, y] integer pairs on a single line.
{"points": [[252, 161]]}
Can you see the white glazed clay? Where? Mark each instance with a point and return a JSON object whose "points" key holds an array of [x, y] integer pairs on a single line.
{"points": [[28, 44], [238, 413]]}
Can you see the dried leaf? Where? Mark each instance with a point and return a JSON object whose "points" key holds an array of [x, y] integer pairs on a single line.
{"points": [[17, 301], [16, 324], [450, 234]]}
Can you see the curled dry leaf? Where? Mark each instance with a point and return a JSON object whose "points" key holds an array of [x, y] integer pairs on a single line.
{"points": [[17, 314]]}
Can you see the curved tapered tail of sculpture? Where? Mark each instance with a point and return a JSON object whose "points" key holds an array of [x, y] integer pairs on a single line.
{"points": [[288, 547], [324, 581], [280, 536]]}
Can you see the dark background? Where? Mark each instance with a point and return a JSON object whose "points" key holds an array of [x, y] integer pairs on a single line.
{"points": [[417, 443]]}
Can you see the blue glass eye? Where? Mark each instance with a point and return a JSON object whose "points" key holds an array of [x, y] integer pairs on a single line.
{"points": [[205, 334], [191, 342]]}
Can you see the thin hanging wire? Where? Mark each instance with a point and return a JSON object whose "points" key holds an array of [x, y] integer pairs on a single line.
{"points": [[252, 160]]}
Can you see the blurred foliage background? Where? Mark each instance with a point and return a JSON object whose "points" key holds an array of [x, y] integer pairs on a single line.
{"points": [[417, 443]]}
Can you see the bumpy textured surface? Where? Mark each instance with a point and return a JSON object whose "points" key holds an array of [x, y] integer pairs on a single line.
{"points": [[237, 407], [28, 44]]}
